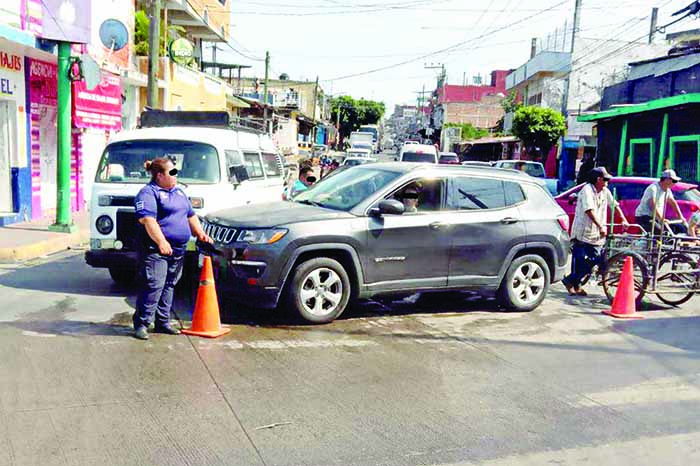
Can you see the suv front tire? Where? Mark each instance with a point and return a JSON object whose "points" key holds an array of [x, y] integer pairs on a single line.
{"points": [[525, 284], [319, 290]]}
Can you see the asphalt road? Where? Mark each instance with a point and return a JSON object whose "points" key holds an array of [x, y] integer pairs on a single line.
{"points": [[442, 379]]}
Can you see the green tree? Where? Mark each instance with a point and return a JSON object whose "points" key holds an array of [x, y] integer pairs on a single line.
{"points": [[538, 128], [141, 24], [468, 131], [355, 113], [511, 103]]}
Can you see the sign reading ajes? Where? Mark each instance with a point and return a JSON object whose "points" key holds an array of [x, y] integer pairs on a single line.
{"points": [[181, 51]]}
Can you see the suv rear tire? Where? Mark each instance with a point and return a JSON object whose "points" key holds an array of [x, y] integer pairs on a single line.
{"points": [[319, 290], [525, 284]]}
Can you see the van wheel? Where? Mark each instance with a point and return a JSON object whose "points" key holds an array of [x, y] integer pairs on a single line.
{"points": [[525, 284], [122, 276], [320, 290]]}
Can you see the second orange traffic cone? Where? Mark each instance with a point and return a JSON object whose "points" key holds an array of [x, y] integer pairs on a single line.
{"points": [[205, 318], [623, 305]]}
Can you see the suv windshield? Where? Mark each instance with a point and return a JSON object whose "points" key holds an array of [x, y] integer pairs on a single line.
{"points": [[123, 162], [532, 169], [418, 157], [347, 189]]}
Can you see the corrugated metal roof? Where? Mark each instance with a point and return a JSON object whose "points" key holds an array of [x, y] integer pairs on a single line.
{"points": [[663, 65], [657, 104]]}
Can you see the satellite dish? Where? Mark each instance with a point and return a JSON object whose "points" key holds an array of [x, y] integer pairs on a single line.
{"points": [[113, 34], [91, 71]]}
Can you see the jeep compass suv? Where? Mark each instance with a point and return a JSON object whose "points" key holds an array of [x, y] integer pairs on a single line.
{"points": [[392, 228]]}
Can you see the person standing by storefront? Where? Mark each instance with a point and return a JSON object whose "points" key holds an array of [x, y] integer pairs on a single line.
{"points": [[589, 229], [166, 222]]}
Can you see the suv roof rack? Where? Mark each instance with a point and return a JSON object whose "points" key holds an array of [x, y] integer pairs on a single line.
{"points": [[152, 118]]}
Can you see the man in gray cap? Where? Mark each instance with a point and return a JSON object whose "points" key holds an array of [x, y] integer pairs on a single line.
{"points": [[652, 208], [589, 228]]}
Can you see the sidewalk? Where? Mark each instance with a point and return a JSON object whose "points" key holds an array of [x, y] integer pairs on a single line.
{"points": [[23, 241]]}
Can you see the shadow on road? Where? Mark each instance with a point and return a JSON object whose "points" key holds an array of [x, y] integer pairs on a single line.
{"points": [[678, 332]]}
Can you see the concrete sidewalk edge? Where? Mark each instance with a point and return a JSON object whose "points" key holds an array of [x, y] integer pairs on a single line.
{"points": [[44, 247]]}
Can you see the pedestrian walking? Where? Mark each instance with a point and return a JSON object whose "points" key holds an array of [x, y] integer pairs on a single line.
{"points": [[166, 222], [652, 207], [588, 231]]}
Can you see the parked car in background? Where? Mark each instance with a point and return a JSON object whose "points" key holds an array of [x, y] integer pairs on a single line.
{"points": [[476, 163], [418, 153], [448, 158], [534, 169], [358, 152], [357, 234], [628, 190], [354, 161]]}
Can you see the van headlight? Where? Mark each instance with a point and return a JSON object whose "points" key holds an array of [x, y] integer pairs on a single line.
{"points": [[268, 236], [104, 224], [104, 200]]}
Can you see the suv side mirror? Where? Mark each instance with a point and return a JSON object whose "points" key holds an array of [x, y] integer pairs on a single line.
{"points": [[573, 197], [388, 207]]}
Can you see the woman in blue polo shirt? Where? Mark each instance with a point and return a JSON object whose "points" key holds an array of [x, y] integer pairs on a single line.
{"points": [[166, 222]]}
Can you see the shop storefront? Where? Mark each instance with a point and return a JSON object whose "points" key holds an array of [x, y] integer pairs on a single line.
{"points": [[13, 162]]}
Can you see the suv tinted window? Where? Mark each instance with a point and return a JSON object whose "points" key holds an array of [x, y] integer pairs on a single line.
{"points": [[272, 165], [471, 193], [253, 165], [514, 193], [421, 195]]}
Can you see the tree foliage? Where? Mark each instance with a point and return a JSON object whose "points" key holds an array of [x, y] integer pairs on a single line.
{"points": [[538, 128], [511, 102], [141, 33], [355, 113], [469, 131]]}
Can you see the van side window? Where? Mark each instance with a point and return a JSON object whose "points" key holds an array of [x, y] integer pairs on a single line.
{"points": [[253, 165], [233, 159], [272, 165]]}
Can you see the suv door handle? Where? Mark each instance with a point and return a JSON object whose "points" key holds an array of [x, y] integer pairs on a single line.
{"points": [[437, 225], [509, 220]]}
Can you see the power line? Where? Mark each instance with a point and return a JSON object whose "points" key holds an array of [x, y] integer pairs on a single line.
{"points": [[446, 49]]}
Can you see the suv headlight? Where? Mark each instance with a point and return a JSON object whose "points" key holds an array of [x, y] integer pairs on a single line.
{"points": [[104, 224], [269, 236]]}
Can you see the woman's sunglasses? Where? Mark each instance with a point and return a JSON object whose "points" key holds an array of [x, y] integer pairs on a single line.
{"points": [[173, 172]]}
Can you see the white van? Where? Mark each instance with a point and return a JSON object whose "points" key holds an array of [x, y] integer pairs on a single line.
{"points": [[218, 168], [418, 153]]}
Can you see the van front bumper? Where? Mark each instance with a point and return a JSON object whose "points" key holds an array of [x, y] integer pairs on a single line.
{"points": [[111, 258]]}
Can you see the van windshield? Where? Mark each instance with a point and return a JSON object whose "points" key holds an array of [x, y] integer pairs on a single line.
{"points": [[123, 162]]}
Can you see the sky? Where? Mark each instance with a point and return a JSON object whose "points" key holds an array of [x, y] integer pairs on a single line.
{"points": [[343, 42]]}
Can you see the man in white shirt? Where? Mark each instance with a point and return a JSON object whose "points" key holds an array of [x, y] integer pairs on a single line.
{"points": [[652, 207], [588, 231]]}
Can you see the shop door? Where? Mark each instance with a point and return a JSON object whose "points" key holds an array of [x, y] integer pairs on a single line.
{"points": [[6, 132]]}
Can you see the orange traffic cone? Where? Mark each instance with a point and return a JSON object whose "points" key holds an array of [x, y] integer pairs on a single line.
{"points": [[205, 319], [623, 305]]}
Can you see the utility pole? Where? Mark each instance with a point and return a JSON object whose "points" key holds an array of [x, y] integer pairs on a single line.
{"points": [[267, 71], [63, 132], [577, 21], [313, 117], [153, 54], [654, 20]]}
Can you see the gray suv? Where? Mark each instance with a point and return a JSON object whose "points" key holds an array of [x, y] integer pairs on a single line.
{"points": [[391, 228]]}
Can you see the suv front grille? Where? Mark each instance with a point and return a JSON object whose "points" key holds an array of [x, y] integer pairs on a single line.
{"points": [[219, 233]]}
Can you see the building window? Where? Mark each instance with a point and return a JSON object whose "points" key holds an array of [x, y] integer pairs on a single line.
{"points": [[535, 99]]}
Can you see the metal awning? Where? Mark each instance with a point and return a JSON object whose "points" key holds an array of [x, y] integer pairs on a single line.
{"points": [[658, 104]]}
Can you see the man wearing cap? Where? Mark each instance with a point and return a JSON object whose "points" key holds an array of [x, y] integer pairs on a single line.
{"points": [[588, 231], [652, 208]]}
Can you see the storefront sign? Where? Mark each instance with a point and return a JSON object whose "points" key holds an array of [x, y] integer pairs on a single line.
{"points": [[181, 51], [6, 87], [99, 108], [66, 20], [10, 61]]}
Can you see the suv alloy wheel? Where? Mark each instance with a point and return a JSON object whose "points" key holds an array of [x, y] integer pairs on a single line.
{"points": [[525, 284], [319, 290]]}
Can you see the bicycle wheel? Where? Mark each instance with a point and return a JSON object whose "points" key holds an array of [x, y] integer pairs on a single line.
{"points": [[613, 272], [676, 279]]}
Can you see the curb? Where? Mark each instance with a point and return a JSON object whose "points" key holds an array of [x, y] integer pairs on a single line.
{"points": [[43, 247]]}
